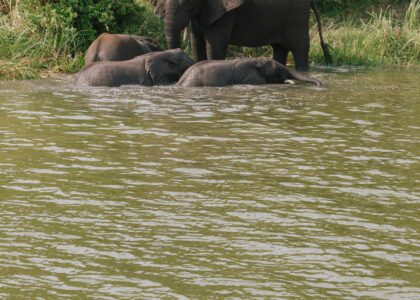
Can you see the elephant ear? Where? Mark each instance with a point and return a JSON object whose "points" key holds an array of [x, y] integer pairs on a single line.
{"points": [[261, 66], [272, 71], [160, 70], [215, 9]]}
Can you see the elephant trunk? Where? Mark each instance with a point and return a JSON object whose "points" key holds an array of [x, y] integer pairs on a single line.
{"points": [[172, 31], [304, 78]]}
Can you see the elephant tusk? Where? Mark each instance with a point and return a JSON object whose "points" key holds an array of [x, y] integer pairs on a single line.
{"points": [[186, 34], [290, 81]]}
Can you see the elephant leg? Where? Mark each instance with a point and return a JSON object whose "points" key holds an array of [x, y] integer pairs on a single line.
{"points": [[216, 50], [301, 59], [198, 43], [218, 36], [280, 53]]}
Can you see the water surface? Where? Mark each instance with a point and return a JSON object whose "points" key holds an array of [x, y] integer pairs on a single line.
{"points": [[274, 192]]}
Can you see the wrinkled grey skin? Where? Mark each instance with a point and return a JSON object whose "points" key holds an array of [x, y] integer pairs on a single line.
{"points": [[155, 68], [262, 70], [283, 24], [118, 47]]}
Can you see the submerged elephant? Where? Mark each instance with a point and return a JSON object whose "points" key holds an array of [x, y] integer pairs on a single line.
{"points": [[262, 70], [283, 24], [117, 47], [155, 68]]}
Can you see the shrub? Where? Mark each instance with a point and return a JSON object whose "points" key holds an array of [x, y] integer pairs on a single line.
{"points": [[38, 35], [89, 18]]}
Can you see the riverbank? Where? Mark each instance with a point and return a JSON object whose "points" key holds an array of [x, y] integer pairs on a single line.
{"points": [[382, 36], [37, 40], [41, 37]]}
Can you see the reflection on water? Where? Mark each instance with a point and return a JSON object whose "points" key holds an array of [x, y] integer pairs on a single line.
{"points": [[239, 192]]}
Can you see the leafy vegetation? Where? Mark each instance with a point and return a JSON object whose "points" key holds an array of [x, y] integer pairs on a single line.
{"points": [[42, 36], [38, 36]]}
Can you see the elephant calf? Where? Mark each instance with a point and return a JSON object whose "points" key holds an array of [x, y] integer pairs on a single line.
{"points": [[260, 70], [155, 68], [117, 47]]}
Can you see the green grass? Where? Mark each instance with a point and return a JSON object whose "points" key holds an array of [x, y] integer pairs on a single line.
{"points": [[37, 40], [26, 51], [382, 39]]}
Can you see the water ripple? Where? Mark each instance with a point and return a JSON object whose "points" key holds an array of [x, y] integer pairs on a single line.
{"points": [[244, 192]]}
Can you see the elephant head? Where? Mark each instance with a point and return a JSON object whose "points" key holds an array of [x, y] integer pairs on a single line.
{"points": [[274, 72], [271, 70], [177, 14], [167, 66]]}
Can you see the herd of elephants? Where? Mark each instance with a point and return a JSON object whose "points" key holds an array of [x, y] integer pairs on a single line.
{"points": [[119, 59]]}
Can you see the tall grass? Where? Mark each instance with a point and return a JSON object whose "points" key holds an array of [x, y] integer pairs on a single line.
{"points": [[37, 39], [379, 40], [30, 45]]}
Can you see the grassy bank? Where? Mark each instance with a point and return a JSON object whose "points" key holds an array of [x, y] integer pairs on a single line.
{"points": [[39, 37], [26, 49], [385, 36]]}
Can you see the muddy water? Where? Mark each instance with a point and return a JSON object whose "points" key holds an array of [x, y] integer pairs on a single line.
{"points": [[290, 192]]}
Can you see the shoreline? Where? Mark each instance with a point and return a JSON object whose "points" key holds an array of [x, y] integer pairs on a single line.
{"points": [[314, 69], [384, 39]]}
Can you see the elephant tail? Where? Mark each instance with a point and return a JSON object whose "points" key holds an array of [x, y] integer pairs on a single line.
{"points": [[151, 43], [304, 78], [92, 54], [91, 59], [325, 47]]}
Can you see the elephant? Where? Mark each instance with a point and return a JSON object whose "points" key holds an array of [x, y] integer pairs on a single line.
{"points": [[155, 68], [117, 47], [283, 24], [261, 70]]}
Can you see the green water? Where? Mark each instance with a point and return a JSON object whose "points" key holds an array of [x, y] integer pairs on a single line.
{"points": [[276, 192]]}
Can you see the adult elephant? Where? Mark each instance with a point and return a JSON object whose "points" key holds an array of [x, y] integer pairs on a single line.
{"points": [[155, 68], [118, 47], [283, 24], [261, 70]]}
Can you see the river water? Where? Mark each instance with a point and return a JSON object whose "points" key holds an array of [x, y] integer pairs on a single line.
{"points": [[265, 192]]}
